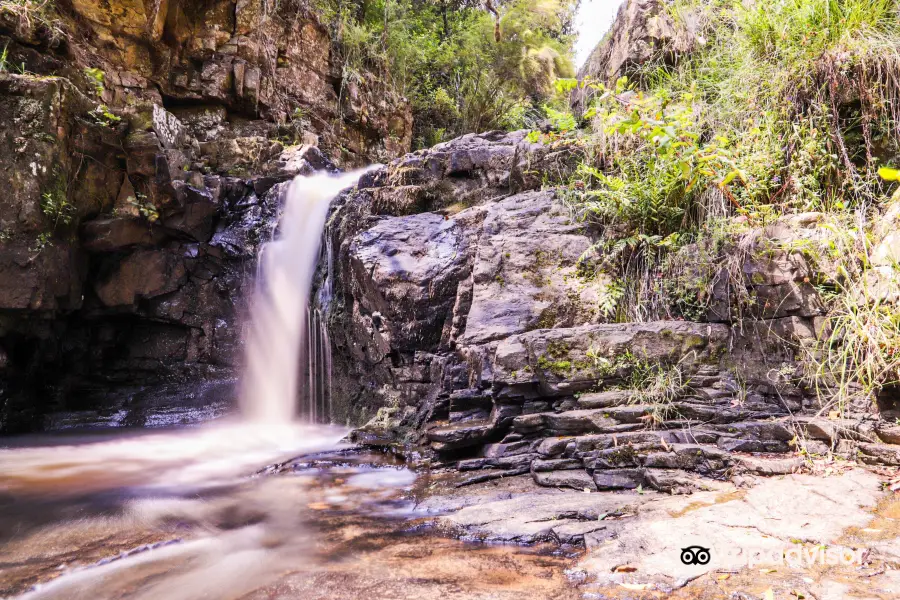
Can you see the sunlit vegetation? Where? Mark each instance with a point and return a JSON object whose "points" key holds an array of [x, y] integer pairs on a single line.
{"points": [[782, 107], [465, 66], [34, 14]]}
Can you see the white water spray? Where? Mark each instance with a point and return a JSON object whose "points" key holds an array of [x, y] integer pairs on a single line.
{"points": [[280, 315]]}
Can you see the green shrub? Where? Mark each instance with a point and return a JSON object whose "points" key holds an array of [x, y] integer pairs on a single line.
{"points": [[446, 59], [57, 208]]}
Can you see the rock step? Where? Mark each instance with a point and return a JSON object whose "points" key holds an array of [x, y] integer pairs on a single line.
{"points": [[460, 435], [889, 433], [646, 460], [629, 417], [606, 399], [679, 469], [614, 417], [609, 447]]}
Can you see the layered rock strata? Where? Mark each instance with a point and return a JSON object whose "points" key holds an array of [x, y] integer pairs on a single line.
{"points": [[467, 312]]}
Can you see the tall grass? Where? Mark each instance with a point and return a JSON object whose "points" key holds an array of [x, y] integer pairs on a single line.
{"points": [[802, 99], [859, 351], [35, 14]]}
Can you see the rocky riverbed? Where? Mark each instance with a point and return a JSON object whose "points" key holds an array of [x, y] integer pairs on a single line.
{"points": [[348, 523]]}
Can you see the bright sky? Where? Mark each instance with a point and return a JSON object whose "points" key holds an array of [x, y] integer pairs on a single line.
{"points": [[593, 20]]}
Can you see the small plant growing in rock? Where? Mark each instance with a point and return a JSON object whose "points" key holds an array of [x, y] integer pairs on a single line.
{"points": [[3, 58], [35, 13], [42, 241], [103, 116], [96, 77], [658, 387], [57, 208], [144, 207]]}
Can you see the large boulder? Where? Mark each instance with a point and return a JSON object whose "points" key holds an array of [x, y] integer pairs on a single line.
{"points": [[525, 272], [467, 171]]}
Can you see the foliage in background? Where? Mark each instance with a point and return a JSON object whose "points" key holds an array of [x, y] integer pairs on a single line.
{"points": [[783, 107], [463, 68], [784, 103], [859, 352]]}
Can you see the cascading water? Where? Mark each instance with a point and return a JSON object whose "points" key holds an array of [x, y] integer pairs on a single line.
{"points": [[268, 428], [177, 509], [176, 514], [281, 317], [316, 398], [159, 477]]}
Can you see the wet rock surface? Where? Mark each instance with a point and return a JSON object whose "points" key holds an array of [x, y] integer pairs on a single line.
{"points": [[341, 523]]}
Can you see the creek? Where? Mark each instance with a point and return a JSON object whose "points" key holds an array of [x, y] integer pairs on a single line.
{"points": [[266, 504]]}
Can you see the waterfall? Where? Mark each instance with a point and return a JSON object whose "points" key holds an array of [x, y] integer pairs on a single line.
{"points": [[280, 313], [316, 400]]}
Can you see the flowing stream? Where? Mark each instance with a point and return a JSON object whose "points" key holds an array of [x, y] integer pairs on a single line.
{"points": [[227, 510]]}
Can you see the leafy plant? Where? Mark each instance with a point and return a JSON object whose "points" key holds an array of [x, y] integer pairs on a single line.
{"points": [[610, 296], [57, 208], [42, 241], [96, 77], [144, 208], [563, 121], [104, 116]]}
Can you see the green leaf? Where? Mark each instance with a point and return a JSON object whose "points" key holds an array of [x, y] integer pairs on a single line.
{"points": [[732, 175]]}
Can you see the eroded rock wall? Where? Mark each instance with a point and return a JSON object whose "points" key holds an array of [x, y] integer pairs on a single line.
{"points": [[220, 62], [147, 144], [643, 31]]}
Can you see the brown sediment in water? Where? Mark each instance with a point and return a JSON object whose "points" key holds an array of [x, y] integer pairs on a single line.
{"points": [[362, 558], [46, 554], [315, 530]]}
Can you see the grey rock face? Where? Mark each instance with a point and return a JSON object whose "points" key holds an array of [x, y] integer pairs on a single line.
{"points": [[524, 273], [459, 301]]}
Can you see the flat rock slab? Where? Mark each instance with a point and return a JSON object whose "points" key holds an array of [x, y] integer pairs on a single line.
{"points": [[534, 515], [739, 529], [635, 540]]}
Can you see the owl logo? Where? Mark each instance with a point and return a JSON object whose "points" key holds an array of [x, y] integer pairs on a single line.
{"points": [[695, 555]]}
